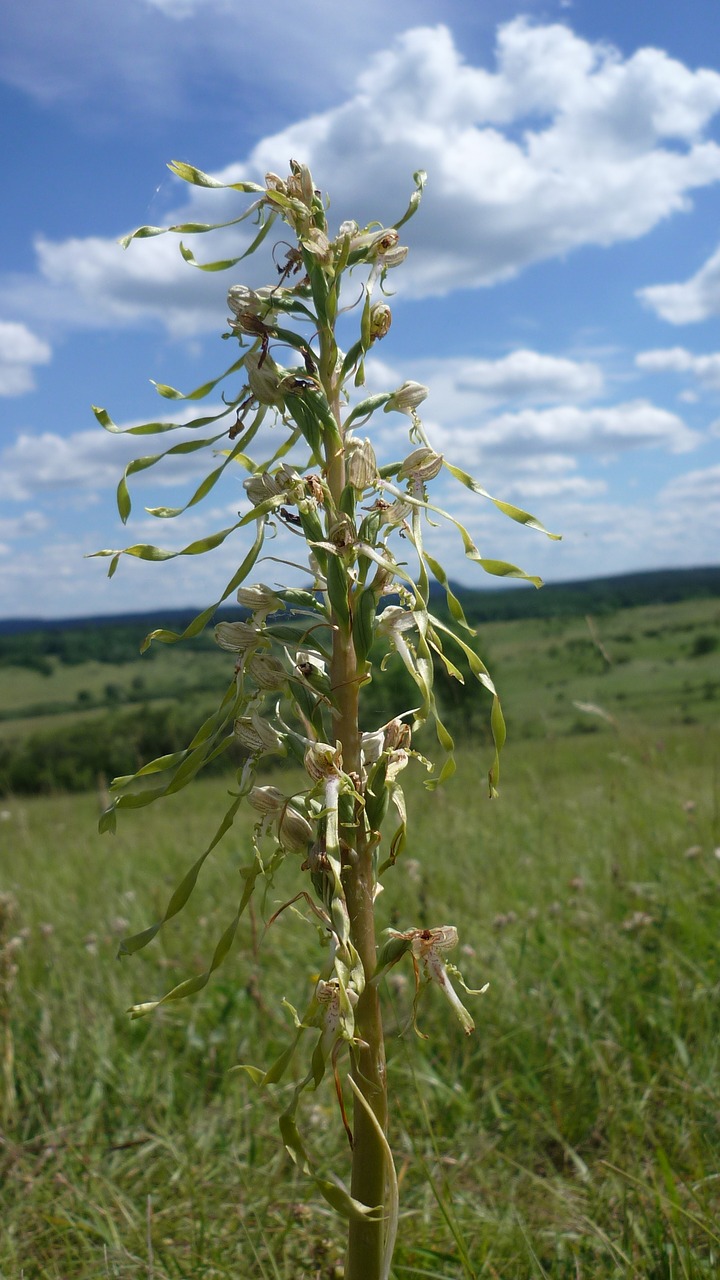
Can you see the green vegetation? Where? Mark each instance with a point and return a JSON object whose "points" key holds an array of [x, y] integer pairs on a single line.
{"points": [[655, 664], [575, 1135]]}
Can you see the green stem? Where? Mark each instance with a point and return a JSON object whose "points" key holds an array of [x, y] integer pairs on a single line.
{"points": [[368, 1182]]}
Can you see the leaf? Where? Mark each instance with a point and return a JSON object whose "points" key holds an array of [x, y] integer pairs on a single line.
{"points": [[455, 608], [170, 393], [180, 896], [224, 263], [192, 985], [199, 623], [515, 513], [189, 173], [146, 551], [499, 733], [124, 504], [155, 428], [477, 666]]}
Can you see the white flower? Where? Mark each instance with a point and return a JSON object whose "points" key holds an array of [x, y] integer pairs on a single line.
{"points": [[257, 736], [421, 465], [360, 463], [260, 600], [407, 398], [237, 637]]}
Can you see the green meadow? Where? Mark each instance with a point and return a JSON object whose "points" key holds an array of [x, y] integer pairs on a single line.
{"points": [[575, 1135]]}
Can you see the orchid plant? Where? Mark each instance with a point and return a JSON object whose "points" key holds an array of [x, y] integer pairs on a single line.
{"points": [[302, 656]]}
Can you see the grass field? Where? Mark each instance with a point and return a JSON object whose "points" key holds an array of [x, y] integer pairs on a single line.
{"points": [[655, 664], [576, 1136]]}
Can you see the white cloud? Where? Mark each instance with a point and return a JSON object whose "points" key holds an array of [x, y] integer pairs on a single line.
{"points": [[695, 299], [460, 389], [43, 463], [521, 375], [566, 428], [20, 351], [678, 360], [695, 490], [563, 144]]}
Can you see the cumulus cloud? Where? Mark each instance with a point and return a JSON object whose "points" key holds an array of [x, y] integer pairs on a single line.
{"points": [[460, 389], [566, 428], [20, 351], [521, 375], [564, 143], [677, 360], [695, 299]]}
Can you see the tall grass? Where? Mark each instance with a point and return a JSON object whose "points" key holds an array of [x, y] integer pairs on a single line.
{"points": [[575, 1135]]}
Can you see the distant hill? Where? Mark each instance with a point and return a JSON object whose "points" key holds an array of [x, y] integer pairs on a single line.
{"points": [[111, 637]]}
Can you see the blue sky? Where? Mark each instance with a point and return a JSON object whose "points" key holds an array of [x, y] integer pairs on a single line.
{"points": [[560, 299]]}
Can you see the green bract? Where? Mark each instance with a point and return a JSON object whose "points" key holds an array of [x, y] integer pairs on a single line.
{"points": [[298, 664]]}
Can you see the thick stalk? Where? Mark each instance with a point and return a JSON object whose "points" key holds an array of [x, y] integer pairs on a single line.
{"points": [[368, 1183]]}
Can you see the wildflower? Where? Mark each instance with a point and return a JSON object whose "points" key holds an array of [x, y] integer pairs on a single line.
{"points": [[260, 600], [237, 637], [264, 377], [421, 465], [380, 320], [267, 672], [427, 947], [250, 306], [407, 398], [360, 464], [262, 486], [323, 761], [397, 735], [395, 513], [257, 736], [266, 800], [317, 243], [294, 831]]}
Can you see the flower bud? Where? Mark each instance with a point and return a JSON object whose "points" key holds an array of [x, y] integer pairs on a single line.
{"points": [[256, 735], [360, 464], [380, 320], [294, 830], [267, 672], [262, 486], [260, 600], [266, 800], [237, 637], [407, 398], [421, 465], [264, 378]]}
